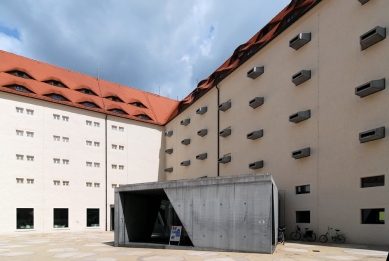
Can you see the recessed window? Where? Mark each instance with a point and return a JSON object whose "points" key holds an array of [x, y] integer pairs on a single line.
{"points": [[56, 83], [65, 118], [19, 180], [65, 139], [30, 158], [143, 117], [121, 147], [19, 88], [61, 218], [56, 138], [30, 112], [114, 166], [88, 143], [303, 189], [376, 181], [138, 104], [30, 181], [30, 134], [88, 123], [118, 111], [65, 161], [24, 218], [86, 91], [121, 167], [89, 164], [97, 185], [303, 217], [89, 184], [90, 104], [373, 216], [97, 124], [114, 185], [114, 127], [20, 74], [56, 182], [19, 132], [56, 161], [97, 144], [65, 183], [19, 157], [121, 129], [19, 110], [93, 217], [57, 97], [114, 147], [114, 98], [97, 165], [56, 116]]}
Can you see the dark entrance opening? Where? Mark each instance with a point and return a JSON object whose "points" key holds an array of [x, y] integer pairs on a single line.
{"points": [[112, 217]]}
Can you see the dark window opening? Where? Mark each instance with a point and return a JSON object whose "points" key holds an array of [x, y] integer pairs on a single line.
{"points": [[375, 181], [56, 97], [306, 189], [92, 217], [20, 74], [86, 91], [24, 218], [138, 104], [143, 117], [114, 98], [303, 217], [118, 111], [90, 104], [19, 88], [61, 218], [373, 216], [56, 83]]}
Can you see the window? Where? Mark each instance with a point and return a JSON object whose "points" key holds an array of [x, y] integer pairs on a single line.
{"points": [[30, 112], [19, 157], [90, 104], [58, 97], [19, 132], [56, 83], [56, 182], [143, 117], [114, 185], [19, 110], [56, 161], [303, 189], [65, 139], [121, 147], [65, 161], [97, 124], [30, 181], [114, 147], [97, 165], [113, 127], [88, 123], [19, 88], [19, 180], [89, 164], [303, 217], [20, 74], [61, 218], [97, 144], [92, 217], [121, 167], [30, 134], [65, 183], [373, 216], [114, 166], [24, 218], [88, 143], [56, 138], [97, 185], [375, 181], [138, 104], [89, 184], [30, 158], [65, 118], [56, 116], [121, 129]]}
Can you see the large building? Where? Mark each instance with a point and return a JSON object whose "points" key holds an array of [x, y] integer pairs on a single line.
{"points": [[304, 100]]}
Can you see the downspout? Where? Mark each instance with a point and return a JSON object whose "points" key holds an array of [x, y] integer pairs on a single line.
{"points": [[106, 176], [218, 130]]}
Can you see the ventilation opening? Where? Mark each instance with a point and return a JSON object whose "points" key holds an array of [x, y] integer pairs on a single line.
{"points": [[369, 34], [364, 87], [294, 39], [249, 135], [297, 153], [252, 165], [252, 101], [249, 72], [370, 133], [297, 75], [294, 116]]}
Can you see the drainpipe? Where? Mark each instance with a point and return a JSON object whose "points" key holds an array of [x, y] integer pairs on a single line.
{"points": [[218, 130], [106, 175]]}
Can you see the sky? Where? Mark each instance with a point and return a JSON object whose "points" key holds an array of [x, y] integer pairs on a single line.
{"points": [[161, 46]]}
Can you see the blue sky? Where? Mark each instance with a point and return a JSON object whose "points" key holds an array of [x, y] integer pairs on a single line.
{"points": [[166, 45]]}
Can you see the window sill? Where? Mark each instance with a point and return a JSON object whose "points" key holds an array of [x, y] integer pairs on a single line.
{"points": [[61, 228], [93, 227], [25, 230]]}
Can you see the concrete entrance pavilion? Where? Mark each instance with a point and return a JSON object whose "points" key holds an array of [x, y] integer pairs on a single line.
{"points": [[237, 213]]}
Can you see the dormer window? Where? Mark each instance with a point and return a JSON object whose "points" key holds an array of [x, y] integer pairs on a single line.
{"points": [[118, 111], [86, 91], [114, 98], [57, 97], [56, 83], [143, 117], [19, 88], [89, 104], [20, 74], [138, 104]]}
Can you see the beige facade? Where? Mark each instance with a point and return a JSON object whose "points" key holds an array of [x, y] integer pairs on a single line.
{"points": [[338, 160]]}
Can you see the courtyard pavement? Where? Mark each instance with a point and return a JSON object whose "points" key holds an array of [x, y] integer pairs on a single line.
{"points": [[97, 246]]}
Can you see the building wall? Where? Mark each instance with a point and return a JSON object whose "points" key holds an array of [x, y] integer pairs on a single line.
{"points": [[338, 160]]}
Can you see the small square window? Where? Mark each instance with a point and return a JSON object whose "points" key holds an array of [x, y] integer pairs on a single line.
{"points": [[97, 124], [114, 185], [121, 147], [19, 132], [30, 158], [89, 164], [114, 166], [97, 144], [19, 180], [89, 184], [65, 139], [121, 167], [56, 161], [303, 189], [56, 138], [56, 182], [65, 118], [19, 157], [97, 165], [56, 116], [97, 185], [30, 134], [65, 161], [114, 146], [373, 216], [303, 217], [65, 183], [24, 218], [30, 181], [121, 129], [376, 181], [89, 143], [19, 110], [61, 218], [88, 123], [30, 112], [92, 217], [114, 127]]}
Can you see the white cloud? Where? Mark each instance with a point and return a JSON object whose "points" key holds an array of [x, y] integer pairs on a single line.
{"points": [[10, 44]]}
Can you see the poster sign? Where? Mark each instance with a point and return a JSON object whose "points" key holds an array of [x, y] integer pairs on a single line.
{"points": [[175, 235]]}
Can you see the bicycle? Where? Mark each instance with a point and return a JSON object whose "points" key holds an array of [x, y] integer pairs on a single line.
{"points": [[281, 235], [307, 234], [339, 238]]}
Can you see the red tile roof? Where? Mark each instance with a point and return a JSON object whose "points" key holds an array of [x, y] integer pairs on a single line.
{"points": [[158, 108]]}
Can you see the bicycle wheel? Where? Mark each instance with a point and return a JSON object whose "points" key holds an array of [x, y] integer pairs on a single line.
{"points": [[295, 236], [340, 239], [312, 237], [323, 238]]}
